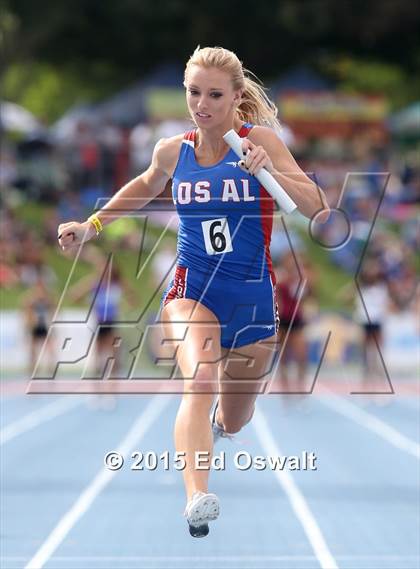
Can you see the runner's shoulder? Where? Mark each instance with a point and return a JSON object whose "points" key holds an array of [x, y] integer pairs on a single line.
{"points": [[260, 134], [166, 153]]}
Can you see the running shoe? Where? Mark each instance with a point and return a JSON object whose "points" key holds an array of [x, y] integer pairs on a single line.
{"points": [[218, 431], [201, 509]]}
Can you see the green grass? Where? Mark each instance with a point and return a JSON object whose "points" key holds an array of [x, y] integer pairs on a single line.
{"points": [[35, 216], [330, 278]]}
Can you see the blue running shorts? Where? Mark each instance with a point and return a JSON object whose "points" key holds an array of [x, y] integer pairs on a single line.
{"points": [[246, 309]]}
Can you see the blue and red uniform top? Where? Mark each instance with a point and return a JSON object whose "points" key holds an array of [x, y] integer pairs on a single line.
{"points": [[226, 216]]}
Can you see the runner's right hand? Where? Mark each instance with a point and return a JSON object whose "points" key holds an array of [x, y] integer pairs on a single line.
{"points": [[72, 234]]}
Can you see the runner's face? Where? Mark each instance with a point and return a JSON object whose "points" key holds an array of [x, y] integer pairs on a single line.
{"points": [[211, 98]]}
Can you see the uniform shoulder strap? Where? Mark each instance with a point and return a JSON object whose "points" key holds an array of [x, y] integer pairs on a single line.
{"points": [[245, 128], [189, 137]]}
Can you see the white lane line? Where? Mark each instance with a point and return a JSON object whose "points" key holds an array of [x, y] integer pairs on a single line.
{"points": [[297, 500], [37, 417], [369, 421], [101, 480]]}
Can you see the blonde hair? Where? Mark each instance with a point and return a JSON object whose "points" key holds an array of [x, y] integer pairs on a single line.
{"points": [[256, 107]]}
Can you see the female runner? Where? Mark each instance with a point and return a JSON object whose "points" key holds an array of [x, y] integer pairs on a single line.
{"points": [[221, 301]]}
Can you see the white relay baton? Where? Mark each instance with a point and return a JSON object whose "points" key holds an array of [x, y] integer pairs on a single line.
{"points": [[264, 177]]}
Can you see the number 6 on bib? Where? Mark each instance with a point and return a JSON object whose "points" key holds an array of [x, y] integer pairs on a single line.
{"points": [[217, 236]]}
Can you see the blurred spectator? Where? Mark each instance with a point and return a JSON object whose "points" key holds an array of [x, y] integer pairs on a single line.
{"points": [[141, 148], [294, 284], [39, 170], [105, 292], [88, 157], [70, 207], [8, 166], [122, 161], [372, 305], [410, 193], [31, 262], [403, 289], [38, 304], [111, 140], [162, 272], [8, 274]]}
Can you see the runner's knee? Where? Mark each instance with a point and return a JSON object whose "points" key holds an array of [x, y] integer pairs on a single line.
{"points": [[197, 403], [205, 378]]}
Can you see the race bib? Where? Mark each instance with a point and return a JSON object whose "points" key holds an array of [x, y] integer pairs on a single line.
{"points": [[217, 236]]}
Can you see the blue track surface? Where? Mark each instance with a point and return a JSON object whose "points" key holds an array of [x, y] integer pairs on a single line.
{"points": [[363, 498]]}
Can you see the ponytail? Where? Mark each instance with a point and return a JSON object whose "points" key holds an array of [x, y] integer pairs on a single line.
{"points": [[256, 107]]}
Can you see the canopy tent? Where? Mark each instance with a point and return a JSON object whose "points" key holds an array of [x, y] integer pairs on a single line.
{"points": [[126, 107], [162, 90], [158, 95], [168, 75], [65, 127], [15, 118], [301, 79]]}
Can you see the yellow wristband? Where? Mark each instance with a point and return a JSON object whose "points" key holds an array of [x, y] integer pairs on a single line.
{"points": [[96, 222]]}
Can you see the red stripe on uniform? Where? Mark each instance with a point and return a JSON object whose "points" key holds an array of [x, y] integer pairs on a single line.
{"points": [[179, 287], [244, 131], [190, 135], [267, 208]]}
